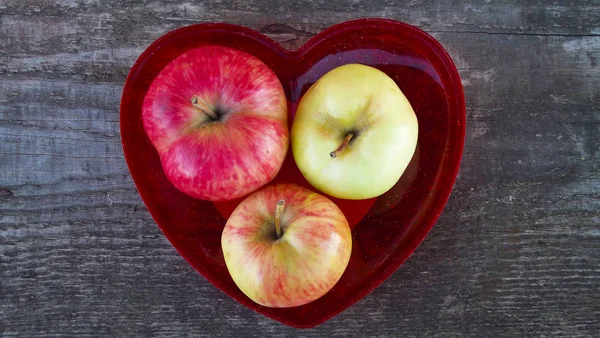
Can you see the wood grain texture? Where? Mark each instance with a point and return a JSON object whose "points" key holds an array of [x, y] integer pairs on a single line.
{"points": [[516, 252]]}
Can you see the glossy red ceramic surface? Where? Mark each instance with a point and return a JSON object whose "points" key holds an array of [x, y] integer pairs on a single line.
{"points": [[386, 230]]}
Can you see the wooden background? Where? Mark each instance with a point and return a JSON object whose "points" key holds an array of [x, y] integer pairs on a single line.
{"points": [[516, 252]]}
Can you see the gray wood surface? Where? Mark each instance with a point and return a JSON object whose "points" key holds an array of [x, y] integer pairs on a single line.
{"points": [[516, 252]]}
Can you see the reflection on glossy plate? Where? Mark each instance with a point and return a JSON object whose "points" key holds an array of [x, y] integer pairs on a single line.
{"points": [[386, 230]]}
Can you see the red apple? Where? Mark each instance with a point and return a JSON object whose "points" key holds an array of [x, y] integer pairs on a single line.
{"points": [[218, 119], [286, 246]]}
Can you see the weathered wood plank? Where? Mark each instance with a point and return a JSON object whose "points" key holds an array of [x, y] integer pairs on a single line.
{"points": [[41, 27], [516, 252]]}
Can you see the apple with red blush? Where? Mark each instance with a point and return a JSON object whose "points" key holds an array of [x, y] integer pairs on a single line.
{"points": [[285, 245], [218, 119]]}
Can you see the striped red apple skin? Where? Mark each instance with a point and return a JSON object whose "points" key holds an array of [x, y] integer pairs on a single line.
{"points": [[300, 265], [218, 119]]}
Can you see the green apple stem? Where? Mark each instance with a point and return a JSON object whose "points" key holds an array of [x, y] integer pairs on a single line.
{"points": [[278, 214], [208, 112], [342, 146]]}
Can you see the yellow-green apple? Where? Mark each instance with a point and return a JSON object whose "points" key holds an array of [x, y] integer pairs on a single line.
{"points": [[354, 133], [286, 245], [218, 119]]}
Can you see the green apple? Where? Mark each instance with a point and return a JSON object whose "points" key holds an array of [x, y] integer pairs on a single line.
{"points": [[354, 133]]}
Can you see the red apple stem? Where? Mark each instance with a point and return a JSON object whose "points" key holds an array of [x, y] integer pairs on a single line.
{"points": [[278, 214], [342, 146], [203, 109]]}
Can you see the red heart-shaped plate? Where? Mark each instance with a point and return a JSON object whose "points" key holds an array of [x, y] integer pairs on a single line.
{"points": [[386, 230]]}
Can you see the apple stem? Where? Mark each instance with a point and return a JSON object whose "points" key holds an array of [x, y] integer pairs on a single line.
{"points": [[342, 146], [206, 111], [278, 212]]}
